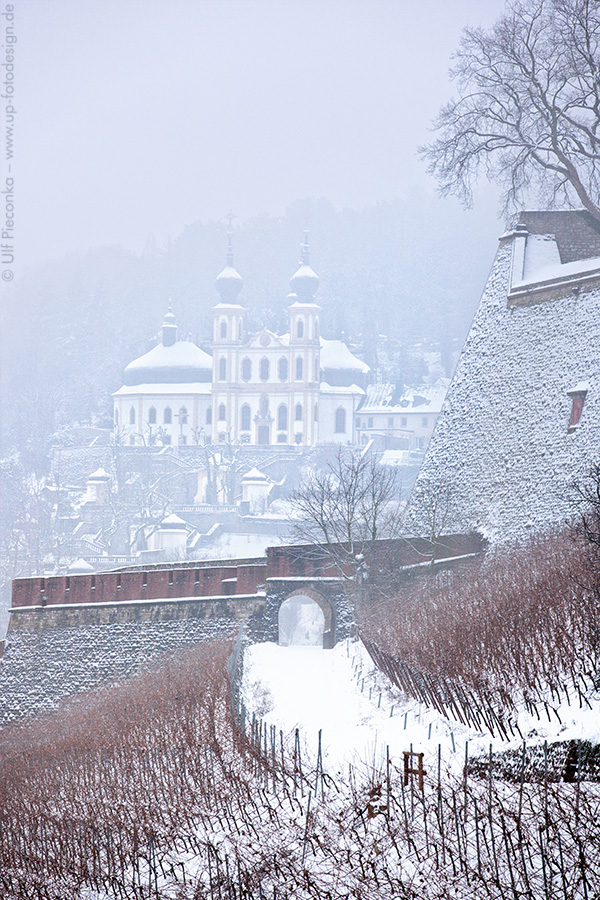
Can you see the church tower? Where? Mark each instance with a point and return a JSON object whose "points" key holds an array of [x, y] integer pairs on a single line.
{"points": [[303, 315], [228, 336]]}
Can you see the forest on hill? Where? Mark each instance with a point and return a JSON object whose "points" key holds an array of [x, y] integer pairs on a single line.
{"points": [[410, 270]]}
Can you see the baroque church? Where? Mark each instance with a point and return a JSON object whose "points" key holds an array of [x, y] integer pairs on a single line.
{"points": [[265, 388]]}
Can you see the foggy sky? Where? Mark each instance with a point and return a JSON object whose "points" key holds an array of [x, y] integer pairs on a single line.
{"points": [[138, 116]]}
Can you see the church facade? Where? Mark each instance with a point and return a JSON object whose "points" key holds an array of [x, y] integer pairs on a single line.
{"points": [[263, 388]]}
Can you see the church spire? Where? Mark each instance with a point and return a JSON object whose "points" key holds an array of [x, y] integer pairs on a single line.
{"points": [[305, 282], [229, 283]]}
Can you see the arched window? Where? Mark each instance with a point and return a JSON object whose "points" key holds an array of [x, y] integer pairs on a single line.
{"points": [[246, 369], [299, 368], [152, 416], [132, 416], [282, 369], [263, 406], [183, 416], [340, 421], [208, 417], [245, 417], [222, 412], [300, 328], [222, 369], [298, 412], [282, 417], [223, 329], [264, 369], [167, 415]]}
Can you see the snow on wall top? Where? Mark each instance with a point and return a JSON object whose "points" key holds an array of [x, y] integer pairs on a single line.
{"points": [[501, 458]]}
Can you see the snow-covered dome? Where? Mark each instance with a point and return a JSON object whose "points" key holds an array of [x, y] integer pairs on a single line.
{"points": [[171, 361], [304, 283], [229, 282]]}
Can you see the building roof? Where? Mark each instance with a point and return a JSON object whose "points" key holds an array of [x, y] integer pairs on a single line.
{"points": [[336, 355], [385, 398], [166, 389], [577, 233], [180, 363]]}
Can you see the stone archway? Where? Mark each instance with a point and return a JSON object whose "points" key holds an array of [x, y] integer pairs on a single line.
{"points": [[306, 617]]}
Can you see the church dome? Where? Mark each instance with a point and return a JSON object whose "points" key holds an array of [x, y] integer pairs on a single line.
{"points": [[304, 283], [171, 361], [229, 282]]}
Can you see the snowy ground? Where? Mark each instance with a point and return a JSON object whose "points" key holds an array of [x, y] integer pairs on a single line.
{"points": [[359, 712]]}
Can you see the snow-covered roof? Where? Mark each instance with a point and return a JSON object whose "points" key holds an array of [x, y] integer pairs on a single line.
{"points": [[129, 390], [172, 521], [426, 398], [542, 262], [254, 475], [99, 475], [336, 355], [340, 389], [181, 362]]}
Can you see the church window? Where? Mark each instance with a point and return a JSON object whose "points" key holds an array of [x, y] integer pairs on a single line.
{"points": [[167, 415], [282, 369], [132, 416], [263, 406], [246, 369], [299, 368], [298, 412], [340, 421], [577, 396], [424, 421], [370, 421], [403, 421], [282, 418], [245, 417], [222, 369], [222, 412], [300, 328], [208, 417], [390, 421], [152, 416], [183, 416], [264, 369], [223, 329]]}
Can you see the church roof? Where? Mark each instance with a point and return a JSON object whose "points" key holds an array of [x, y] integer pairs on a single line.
{"points": [[336, 355], [180, 363]]}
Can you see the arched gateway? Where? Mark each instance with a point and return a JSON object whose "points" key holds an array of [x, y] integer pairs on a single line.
{"points": [[306, 618]]}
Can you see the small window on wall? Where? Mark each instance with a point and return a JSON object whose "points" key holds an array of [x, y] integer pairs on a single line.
{"points": [[282, 369], [263, 406], [264, 369], [299, 368], [183, 416], [132, 416], [245, 417], [282, 418], [577, 397], [223, 329], [167, 416], [298, 412], [403, 422], [222, 412], [246, 369], [390, 422], [425, 422], [222, 369], [370, 422], [340, 421], [300, 328], [152, 416], [166, 439], [282, 438], [208, 417]]}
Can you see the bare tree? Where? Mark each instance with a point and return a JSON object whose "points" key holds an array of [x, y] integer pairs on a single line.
{"points": [[342, 507], [528, 107], [586, 504]]}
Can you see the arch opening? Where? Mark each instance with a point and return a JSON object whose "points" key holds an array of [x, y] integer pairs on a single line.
{"points": [[305, 619]]}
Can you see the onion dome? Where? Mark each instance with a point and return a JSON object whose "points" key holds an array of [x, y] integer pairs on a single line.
{"points": [[171, 361], [229, 283], [305, 282]]}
